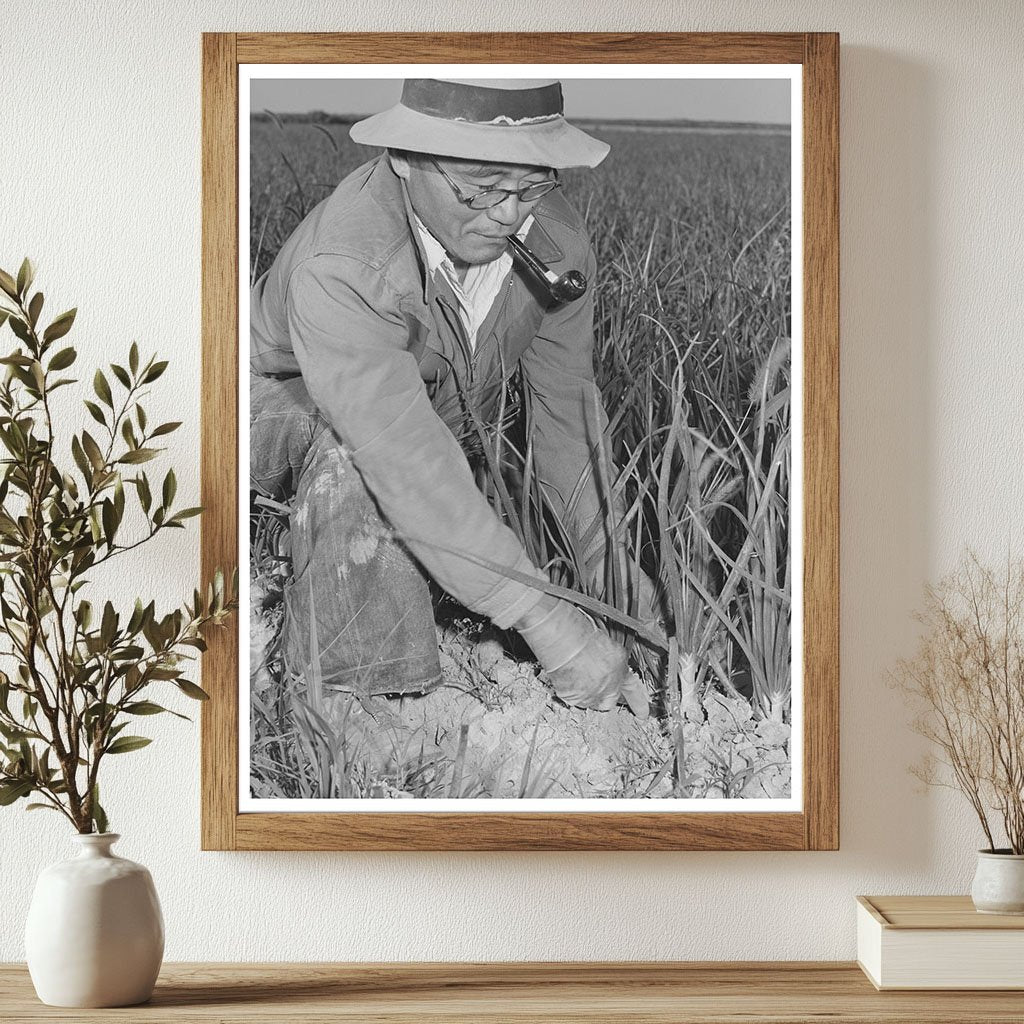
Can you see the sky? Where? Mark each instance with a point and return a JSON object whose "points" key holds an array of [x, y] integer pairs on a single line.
{"points": [[760, 100]]}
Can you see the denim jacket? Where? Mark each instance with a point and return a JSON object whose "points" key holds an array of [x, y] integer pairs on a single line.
{"points": [[349, 305]]}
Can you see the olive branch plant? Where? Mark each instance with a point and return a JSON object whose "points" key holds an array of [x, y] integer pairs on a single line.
{"points": [[80, 674]]}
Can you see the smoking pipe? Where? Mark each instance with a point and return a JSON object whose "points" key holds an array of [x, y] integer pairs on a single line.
{"points": [[571, 285]]}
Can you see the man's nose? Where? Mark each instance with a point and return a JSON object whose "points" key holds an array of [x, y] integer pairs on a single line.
{"points": [[507, 211]]}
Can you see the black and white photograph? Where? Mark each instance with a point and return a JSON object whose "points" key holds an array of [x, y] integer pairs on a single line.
{"points": [[524, 376]]}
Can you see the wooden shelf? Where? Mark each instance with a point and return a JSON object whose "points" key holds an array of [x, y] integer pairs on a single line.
{"points": [[524, 993]]}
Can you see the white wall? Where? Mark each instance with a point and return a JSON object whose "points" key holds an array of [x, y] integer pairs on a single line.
{"points": [[100, 183]]}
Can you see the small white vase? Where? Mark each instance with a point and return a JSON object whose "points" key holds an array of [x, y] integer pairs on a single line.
{"points": [[999, 882], [95, 933]]}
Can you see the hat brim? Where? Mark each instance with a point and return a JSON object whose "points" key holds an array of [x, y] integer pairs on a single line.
{"points": [[549, 143]]}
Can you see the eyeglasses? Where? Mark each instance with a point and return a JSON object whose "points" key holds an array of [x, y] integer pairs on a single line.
{"points": [[488, 197]]}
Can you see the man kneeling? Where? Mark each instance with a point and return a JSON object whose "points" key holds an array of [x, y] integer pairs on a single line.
{"points": [[387, 328]]}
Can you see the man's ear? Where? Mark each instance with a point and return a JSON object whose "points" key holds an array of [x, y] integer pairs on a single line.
{"points": [[399, 163]]}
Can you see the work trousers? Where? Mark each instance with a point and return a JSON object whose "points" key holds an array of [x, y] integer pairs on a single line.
{"points": [[358, 612]]}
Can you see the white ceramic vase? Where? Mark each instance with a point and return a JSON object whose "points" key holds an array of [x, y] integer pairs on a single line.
{"points": [[999, 882], [95, 933]]}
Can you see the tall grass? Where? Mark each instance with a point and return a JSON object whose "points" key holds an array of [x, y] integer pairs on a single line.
{"points": [[692, 237]]}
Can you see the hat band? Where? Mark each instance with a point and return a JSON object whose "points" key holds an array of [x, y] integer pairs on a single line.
{"points": [[456, 101]]}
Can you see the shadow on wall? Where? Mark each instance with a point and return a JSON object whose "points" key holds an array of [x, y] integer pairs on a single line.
{"points": [[888, 273]]}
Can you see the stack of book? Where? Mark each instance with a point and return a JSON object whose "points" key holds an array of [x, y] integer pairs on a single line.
{"points": [[938, 942]]}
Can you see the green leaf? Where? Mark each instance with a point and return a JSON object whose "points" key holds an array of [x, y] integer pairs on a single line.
{"points": [[34, 309], [121, 374], [126, 744], [218, 586], [12, 733], [171, 674], [166, 428], [170, 487], [10, 442], [8, 285], [140, 415], [102, 388], [14, 790], [26, 274], [185, 513], [95, 529], [119, 499], [109, 521], [108, 627], [63, 359], [132, 679], [20, 329], [128, 433], [130, 653], [135, 622], [96, 711], [92, 449], [154, 371], [143, 707], [42, 807], [83, 613], [99, 816], [133, 358], [191, 690], [4, 314], [115, 730], [145, 498], [60, 326], [151, 631], [138, 455], [96, 412], [80, 458]]}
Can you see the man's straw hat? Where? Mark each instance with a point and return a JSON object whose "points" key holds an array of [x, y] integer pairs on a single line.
{"points": [[499, 120]]}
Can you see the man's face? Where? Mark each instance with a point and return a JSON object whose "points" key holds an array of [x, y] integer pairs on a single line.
{"points": [[469, 236]]}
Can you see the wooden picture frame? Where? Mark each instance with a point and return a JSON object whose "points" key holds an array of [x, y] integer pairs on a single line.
{"points": [[816, 825]]}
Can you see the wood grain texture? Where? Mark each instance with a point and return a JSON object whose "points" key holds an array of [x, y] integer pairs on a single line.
{"points": [[525, 993], [936, 912], [821, 440], [219, 429], [817, 827], [521, 48], [588, 831]]}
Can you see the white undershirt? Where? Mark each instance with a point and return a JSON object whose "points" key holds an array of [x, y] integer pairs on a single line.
{"points": [[476, 293]]}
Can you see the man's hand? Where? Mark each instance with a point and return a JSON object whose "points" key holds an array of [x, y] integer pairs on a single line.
{"points": [[598, 677], [586, 668]]}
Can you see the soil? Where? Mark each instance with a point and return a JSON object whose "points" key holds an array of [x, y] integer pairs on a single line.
{"points": [[495, 729]]}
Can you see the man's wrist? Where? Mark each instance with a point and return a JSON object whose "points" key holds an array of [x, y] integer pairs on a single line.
{"points": [[558, 635], [546, 605]]}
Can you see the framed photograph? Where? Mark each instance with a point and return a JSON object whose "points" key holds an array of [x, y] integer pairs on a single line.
{"points": [[520, 419]]}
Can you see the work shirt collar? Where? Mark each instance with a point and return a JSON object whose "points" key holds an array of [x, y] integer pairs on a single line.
{"points": [[477, 291]]}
